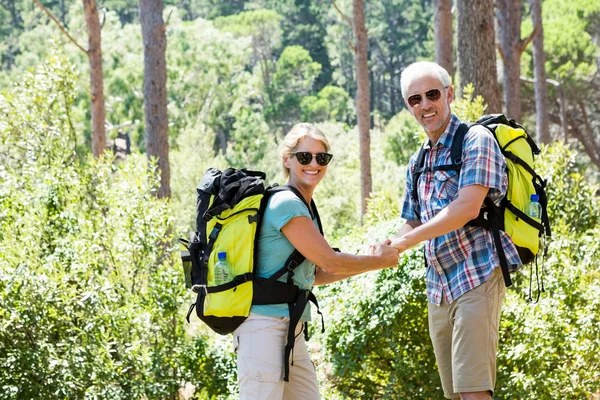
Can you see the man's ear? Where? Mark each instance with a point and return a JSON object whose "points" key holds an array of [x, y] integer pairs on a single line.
{"points": [[409, 108], [450, 91]]}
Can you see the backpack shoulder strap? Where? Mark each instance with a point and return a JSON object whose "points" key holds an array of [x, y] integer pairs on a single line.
{"points": [[457, 144], [416, 174]]}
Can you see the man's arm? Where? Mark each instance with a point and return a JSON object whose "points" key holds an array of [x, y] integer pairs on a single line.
{"points": [[465, 208]]}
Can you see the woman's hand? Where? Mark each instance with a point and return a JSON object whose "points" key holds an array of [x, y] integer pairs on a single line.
{"points": [[384, 250]]}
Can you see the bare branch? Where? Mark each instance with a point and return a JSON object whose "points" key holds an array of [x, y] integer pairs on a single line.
{"points": [[524, 43], [352, 47], [499, 48], [168, 18], [588, 143], [103, 19], [589, 134], [531, 80], [44, 9], [344, 16]]}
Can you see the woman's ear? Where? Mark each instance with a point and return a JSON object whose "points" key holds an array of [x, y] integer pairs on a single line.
{"points": [[286, 160]]}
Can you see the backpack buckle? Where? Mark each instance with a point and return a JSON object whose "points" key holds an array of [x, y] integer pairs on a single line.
{"points": [[292, 264]]}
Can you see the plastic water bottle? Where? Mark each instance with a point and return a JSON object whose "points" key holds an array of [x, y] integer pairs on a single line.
{"points": [[223, 270], [534, 209]]}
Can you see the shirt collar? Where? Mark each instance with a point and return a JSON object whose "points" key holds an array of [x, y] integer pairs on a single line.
{"points": [[446, 139]]}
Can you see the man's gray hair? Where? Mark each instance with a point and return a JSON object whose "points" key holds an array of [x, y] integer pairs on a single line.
{"points": [[421, 69]]}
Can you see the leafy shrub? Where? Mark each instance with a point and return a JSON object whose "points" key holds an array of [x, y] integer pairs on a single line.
{"points": [[90, 292], [403, 136]]}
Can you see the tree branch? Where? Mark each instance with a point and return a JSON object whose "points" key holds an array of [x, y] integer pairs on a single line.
{"points": [[44, 9], [531, 80], [592, 148], [525, 43], [168, 18], [344, 16], [501, 53], [103, 20]]}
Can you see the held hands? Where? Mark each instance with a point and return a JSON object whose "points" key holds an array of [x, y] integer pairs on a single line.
{"points": [[387, 252]]}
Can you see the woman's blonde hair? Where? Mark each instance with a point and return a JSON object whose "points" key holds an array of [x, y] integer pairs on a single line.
{"points": [[299, 131]]}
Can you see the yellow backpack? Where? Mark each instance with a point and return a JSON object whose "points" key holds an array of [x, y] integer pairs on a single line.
{"points": [[511, 215], [229, 209]]}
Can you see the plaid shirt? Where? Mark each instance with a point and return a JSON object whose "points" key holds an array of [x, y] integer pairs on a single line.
{"points": [[465, 258]]}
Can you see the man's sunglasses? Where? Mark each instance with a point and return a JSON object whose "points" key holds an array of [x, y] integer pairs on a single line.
{"points": [[432, 95], [305, 157]]}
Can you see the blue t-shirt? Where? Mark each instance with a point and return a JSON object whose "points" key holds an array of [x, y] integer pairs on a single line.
{"points": [[274, 249]]}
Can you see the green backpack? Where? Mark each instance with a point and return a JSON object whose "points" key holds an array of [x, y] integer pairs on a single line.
{"points": [[510, 216], [229, 209]]}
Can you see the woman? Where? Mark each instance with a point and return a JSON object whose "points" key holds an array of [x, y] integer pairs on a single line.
{"points": [[287, 225]]}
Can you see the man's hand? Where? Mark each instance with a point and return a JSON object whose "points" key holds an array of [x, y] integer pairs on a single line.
{"points": [[372, 247], [385, 251]]}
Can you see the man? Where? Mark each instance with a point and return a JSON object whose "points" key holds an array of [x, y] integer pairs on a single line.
{"points": [[465, 289]]}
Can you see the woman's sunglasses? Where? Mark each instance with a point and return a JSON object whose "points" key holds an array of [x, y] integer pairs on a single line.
{"points": [[305, 157], [432, 95]]}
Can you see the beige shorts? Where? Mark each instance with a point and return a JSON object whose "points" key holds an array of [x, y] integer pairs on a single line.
{"points": [[465, 337], [259, 344]]}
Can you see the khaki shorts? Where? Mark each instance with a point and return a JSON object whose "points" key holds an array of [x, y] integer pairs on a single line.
{"points": [[465, 337], [259, 344]]}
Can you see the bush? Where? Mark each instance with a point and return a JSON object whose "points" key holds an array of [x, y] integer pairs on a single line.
{"points": [[90, 289]]}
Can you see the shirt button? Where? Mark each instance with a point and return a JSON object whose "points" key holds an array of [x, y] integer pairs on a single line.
{"points": [[257, 376]]}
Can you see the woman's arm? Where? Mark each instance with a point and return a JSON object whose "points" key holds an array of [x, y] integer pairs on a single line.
{"points": [[323, 277], [305, 237]]}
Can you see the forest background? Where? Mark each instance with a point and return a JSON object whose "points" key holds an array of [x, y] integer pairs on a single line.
{"points": [[92, 299]]}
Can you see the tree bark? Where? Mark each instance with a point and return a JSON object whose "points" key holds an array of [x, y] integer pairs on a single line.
{"points": [[476, 50], [539, 62], [155, 90], [443, 35], [94, 53], [362, 101], [509, 30]]}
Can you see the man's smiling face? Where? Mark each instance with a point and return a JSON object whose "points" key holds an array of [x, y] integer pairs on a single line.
{"points": [[433, 115]]}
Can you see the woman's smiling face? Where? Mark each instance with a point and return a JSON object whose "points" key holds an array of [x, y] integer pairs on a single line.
{"points": [[306, 175]]}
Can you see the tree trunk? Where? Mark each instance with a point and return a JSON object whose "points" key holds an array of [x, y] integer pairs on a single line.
{"points": [[539, 61], [15, 16], [94, 54], [443, 35], [362, 101], [155, 89], [477, 51], [63, 13], [509, 30]]}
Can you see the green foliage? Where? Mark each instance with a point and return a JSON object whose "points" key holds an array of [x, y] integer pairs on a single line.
{"points": [[90, 289], [468, 108], [570, 50], [262, 25], [403, 137], [399, 34], [332, 103], [572, 204], [304, 24], [295, 73], [377, 343]]}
